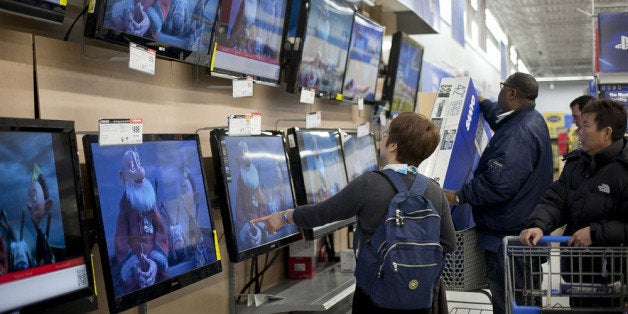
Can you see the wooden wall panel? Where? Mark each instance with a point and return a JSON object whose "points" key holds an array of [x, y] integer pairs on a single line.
{"points": [[17, 97]]}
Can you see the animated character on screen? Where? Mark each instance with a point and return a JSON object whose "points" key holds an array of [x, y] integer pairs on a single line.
{"points": [[141, 240], [39, 205], [189, 202], [245, 31], [250, 202], [319, 176]]}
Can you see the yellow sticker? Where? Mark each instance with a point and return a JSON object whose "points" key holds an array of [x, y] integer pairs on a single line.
{"points": [[216, 245], [338, 96]]}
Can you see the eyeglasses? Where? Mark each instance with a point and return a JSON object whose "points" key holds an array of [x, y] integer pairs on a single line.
{"points": [[502, 84]]}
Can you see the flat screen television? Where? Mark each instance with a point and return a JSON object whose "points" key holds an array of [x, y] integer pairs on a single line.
{"points": [[249, 40], [178, 29], [46, 10], [44, 257], [319, 63], [318, 171], [360, 153], [253, 180], [403, 73], [154, 228], [365, 53]]}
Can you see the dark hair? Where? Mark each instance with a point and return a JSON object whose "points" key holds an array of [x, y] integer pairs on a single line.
{"points": [[525, 84], [416, 137], [581, 101], [608, 113]]}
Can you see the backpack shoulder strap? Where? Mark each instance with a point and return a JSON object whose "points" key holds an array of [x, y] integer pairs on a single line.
{"points": [[419, 184], [394, 178]]}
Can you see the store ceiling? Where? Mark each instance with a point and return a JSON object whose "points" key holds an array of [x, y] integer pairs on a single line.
{"points": [[553, 38]]}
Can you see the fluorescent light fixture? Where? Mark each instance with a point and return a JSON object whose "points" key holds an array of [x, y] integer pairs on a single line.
{"points": [[564, 78]]}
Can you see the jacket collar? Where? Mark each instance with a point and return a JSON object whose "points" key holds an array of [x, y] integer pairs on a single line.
{"points": [[514, 113], [618, 151]]}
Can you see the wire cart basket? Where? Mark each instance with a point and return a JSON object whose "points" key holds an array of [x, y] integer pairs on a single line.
{"points": [[553, 278]]}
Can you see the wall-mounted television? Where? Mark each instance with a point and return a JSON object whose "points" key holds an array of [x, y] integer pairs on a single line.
{"points": [[46, 10], [365, 53], [319, 55], [44, 257], [318, 171], [253, 180], [155, 231], [403, 73], [249, 40], [360, 153], [178, 29]]}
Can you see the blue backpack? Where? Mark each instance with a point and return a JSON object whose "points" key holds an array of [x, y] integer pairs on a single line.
{"points": [[401, 263]]}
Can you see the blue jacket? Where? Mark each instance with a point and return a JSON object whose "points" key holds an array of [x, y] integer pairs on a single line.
{"points": [[514, 172]]}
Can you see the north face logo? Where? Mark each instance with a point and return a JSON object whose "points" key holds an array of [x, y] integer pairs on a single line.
{"points": [[604, 188]]}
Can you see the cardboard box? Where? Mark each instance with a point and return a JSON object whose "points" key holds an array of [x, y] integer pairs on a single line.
{"points": [[463, 136]]}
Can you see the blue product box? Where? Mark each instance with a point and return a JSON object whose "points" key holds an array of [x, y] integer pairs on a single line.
{"points": [[464, 135]]}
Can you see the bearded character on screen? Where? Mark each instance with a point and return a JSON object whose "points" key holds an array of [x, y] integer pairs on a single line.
{"points": [[141, 240]]}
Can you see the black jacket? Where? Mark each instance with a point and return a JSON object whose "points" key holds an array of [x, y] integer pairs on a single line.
{"points": [[591, 191]]}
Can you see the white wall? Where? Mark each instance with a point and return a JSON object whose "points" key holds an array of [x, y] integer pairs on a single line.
{"points": [[560, 96]]}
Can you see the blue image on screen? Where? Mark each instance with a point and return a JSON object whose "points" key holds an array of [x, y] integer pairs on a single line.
{"points": [[407, 79], [258, 184], [360, 155], [325, 47], [174, 215], [364, 56], [187, 24], [24, 156], [321, 162]]}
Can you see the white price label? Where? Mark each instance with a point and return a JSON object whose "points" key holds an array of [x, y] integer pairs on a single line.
{"points": [[256, 122], [382, 118], [363, 129], [141, 58], [242, 88], [360, 104], [312, 119], [120, 131], [307, 96], [239, 125]]}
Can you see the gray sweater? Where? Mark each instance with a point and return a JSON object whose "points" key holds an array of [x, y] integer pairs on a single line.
{"points": [[368, 196]]}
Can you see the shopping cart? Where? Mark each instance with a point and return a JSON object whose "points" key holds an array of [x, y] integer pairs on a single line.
{"points": [[553, 277]]}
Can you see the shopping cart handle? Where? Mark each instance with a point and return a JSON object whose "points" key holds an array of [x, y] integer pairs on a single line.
{"points": [[559, 239]]}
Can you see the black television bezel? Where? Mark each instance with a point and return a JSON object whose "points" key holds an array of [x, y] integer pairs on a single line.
{"points": [[232, 74], [390, 78], [381, 42], [85, 296], [235, 256], [94, 28], [37, 9], [355, 133], [295, 55], [159, 289], [294, 153]]}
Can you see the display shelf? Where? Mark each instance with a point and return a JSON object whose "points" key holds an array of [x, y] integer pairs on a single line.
{"points": [[328, 288]]}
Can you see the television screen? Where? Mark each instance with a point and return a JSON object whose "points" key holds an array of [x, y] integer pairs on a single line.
{"points": [[404, 72], [365, 53], [178, 29], [249, 40], [360, 154], [47, 10], [318, 170], [155, 231], [42, 248], [323, 55], [253, 181]]}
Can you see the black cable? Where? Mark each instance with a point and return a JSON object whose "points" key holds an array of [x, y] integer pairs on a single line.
{"points": [[67, 34], [248, 284]]}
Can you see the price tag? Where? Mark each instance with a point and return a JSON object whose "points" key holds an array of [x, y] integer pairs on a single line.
{"points": [[363, 129], [312, 119], [256, 122], [243, 88], [307, 96], [360, 104], [141, 58], [120, 131], [239, 124]]}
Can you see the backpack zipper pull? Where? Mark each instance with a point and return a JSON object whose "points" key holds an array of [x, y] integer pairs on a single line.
{"points": [[395, 269], [398, 218], [379, 273]]}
